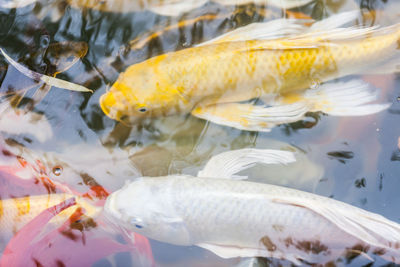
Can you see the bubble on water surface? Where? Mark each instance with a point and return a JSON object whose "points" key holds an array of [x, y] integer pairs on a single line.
{"points": [[57, 170]]}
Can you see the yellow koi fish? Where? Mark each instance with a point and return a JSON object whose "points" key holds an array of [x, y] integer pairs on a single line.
{"points": [[16, 212], [275, 62]]}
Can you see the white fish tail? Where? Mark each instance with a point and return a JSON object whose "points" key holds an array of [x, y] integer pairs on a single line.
{"points": [[371, 228]]}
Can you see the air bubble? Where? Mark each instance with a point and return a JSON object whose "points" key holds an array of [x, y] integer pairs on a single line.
{"points": [[57, 170], [44, 41], [315, 84]]}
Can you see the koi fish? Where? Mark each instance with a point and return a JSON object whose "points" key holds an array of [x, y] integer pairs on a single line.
{"points": [[175, 7], [17, 212], [65, 167], [275, 62], [236, 218], [84, 241]]}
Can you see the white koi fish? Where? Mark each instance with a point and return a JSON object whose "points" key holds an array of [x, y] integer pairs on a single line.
{"points": [[234, 218]]}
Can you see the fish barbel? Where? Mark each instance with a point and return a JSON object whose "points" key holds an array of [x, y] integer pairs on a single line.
{"points": [[245, 219], [256, 62], [16, 212]]}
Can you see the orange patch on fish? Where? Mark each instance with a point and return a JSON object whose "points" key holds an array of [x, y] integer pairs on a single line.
{"points": [[23, 205]]}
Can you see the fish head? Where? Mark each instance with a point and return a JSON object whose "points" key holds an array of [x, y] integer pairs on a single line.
{"points": [[144, 206], [144, 92]]}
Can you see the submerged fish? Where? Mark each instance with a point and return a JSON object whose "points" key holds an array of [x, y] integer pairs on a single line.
{"points": [[17, 212], [65, 166], [74, 243], [234, 218], [246, 219], [175, 7], [274, 62]]}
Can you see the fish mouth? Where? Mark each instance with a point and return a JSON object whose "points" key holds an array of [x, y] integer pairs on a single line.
{"points": [[110, 210], [106, 101]]}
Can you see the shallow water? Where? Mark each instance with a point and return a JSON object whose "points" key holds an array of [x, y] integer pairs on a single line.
{"points": [[354, 159]]}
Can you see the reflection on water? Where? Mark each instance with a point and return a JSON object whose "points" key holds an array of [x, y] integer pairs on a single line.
{"points": [[54, 140]]}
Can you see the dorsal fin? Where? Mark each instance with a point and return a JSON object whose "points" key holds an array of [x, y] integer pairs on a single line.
{"points": [[274, 29], [296, 31]]}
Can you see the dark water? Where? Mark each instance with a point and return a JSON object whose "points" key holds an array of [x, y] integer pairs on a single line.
{"points": [[355, 160]]}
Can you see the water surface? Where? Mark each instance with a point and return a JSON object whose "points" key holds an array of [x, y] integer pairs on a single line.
{"points": [[355, 159]]}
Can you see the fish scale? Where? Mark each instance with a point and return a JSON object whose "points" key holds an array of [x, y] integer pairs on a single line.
{"points": [[266, 210]]}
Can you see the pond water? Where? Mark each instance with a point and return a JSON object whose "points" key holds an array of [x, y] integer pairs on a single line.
{"points": [[352, 159]]}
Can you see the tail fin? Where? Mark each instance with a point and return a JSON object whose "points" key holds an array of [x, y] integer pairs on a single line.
{"points": [[371, 228]]}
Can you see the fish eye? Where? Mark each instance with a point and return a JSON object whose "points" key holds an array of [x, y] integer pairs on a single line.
{"points": [[142, 109]]}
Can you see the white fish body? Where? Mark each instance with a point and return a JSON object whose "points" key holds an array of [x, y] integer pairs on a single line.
{"points": [[245, 219]]}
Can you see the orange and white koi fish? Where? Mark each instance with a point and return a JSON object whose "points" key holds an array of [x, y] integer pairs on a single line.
{"points": [[275, 62], [17, 212], [72, 244]]}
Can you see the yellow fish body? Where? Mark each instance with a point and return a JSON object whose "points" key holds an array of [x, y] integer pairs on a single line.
{"points": [[211, 79], [16, 212]]}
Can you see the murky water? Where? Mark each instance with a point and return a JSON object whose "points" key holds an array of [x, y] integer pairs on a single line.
{"points": [[352, 159]]}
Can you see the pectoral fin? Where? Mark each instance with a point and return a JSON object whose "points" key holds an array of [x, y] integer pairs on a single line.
{"points": [[352, 98], [226, 252], [232, 251], [227, 164], [251, 117], [252, 262]]}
